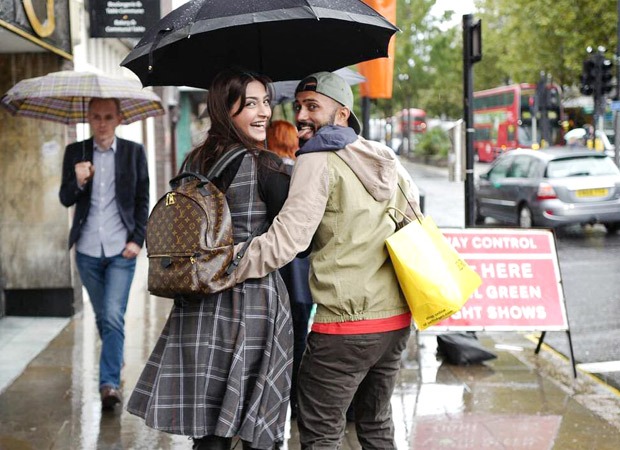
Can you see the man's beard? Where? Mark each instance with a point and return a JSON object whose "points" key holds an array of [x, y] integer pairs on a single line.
{"points": [[314, 127]]}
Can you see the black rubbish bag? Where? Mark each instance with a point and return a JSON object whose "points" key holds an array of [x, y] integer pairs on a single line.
{"points": [[462, 349]]}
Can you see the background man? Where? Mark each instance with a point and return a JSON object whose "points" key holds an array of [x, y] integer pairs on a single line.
{"points": [[107, 179], [340, 189]]}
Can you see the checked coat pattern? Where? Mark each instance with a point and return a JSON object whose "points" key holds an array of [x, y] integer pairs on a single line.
{"points": [[222, 365]]}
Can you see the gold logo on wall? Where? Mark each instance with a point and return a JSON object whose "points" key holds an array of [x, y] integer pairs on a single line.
{"points": [[42, 29]]}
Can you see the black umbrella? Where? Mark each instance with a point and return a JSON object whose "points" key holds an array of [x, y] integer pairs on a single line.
{"points": [[284, 39]]}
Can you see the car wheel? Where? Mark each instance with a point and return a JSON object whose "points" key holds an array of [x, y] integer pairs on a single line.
{"points": [[525, 217], [612, 227]]}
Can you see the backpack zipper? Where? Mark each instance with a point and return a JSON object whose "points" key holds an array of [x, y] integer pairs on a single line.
{"points": [[192, 256]]}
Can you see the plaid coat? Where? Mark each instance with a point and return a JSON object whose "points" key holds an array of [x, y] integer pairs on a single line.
{"points": [[222, 366]]}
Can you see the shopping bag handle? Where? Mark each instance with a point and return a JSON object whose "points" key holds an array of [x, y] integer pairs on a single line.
{"points": [[410, 205], [390, 210]]}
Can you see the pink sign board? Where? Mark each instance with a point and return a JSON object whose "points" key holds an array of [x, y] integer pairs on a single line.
{"points": [[521, 283]]}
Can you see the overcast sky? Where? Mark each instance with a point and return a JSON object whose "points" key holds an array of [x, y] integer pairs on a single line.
{"points": [[460, 7]]}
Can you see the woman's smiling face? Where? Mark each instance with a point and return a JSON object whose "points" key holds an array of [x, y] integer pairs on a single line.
{"points": [[252, 120]]}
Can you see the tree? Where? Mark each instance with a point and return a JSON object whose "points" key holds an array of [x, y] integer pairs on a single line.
{"points": [[520, 38], [427, 68]]}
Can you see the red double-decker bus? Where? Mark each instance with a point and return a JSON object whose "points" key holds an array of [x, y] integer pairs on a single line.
{"points": [[503, 119], [416, 118]]}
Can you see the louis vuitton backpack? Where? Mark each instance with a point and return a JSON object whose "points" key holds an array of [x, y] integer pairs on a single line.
{"points": [[189, 236]]}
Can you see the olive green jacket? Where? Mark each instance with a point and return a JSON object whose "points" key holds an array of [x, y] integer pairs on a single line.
{"points": [[337, 202]]}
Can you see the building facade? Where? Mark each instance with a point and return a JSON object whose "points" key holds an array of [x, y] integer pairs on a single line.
{"points": [[37, 272]]}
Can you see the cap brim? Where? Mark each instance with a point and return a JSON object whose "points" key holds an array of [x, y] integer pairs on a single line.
{"points": [[355, 123]]}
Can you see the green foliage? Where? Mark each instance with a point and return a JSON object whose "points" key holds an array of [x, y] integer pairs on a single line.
{"points": [[435, 143], [520, 39], [427, 64]]}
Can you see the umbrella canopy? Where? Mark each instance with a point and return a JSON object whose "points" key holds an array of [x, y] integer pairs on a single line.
{"points": [[285, 90], [283, 39], [63, 97]]}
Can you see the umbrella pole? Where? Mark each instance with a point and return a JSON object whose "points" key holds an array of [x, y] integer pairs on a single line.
{"points": [[83, 132]]}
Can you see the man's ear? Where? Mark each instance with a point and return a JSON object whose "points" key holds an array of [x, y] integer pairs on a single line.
{"points": [[342, 117]]}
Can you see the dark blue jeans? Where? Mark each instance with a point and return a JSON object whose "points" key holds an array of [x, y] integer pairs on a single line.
{"points": [[108, 281]]}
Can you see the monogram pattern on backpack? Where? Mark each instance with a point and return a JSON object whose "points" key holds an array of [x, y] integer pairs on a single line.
{"points": [[189, 242], [189, 236]]}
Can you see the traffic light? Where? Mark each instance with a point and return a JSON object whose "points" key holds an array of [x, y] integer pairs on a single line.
{"points": [[553, 98], [588, 77], [541, 92], [606, 77]]}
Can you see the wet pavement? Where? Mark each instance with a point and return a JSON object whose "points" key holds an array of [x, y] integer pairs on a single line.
{"points": [[518, 401]]}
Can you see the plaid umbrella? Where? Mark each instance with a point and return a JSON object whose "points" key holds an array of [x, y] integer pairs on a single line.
{"points": [[63, 97]]}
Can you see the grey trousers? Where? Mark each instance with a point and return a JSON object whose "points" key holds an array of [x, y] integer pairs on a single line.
{"points": [[339, 369]]}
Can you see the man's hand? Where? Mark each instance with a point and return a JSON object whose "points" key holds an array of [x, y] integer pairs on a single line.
{"points": [[84, 172], [131, 250]]}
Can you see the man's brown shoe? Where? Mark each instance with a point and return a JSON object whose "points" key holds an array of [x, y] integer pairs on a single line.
{"points": [[110, 397]]}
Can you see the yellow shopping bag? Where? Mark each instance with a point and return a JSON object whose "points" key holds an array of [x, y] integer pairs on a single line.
{"points": [[435, 280]]}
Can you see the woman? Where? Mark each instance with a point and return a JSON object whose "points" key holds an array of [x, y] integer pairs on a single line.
{"points": [[222, 365], [282, 140]]}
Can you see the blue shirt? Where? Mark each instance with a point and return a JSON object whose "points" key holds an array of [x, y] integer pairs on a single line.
{"points": [[103, 232]]}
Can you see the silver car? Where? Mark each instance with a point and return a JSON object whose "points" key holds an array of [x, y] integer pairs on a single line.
{"points": [[550, 188]]}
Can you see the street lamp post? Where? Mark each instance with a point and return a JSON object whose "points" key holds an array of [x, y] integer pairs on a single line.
{"points": [[472, 53], [617, 96]]}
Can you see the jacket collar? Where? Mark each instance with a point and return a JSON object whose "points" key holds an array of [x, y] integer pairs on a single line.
{"points": [[329, 138]]}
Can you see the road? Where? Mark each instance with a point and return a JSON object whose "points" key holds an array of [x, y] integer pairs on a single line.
{"points": [[589, 263]]}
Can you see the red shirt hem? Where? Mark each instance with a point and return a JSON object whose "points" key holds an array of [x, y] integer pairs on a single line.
{"points": [[364, 326]]}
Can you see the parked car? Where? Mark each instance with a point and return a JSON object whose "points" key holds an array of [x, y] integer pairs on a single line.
{"points": [[550, 188]]}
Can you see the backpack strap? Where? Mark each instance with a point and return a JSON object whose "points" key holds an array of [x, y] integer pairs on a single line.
{"points": [[235, 262], [176, 180], [214, 172], [221, 164]]}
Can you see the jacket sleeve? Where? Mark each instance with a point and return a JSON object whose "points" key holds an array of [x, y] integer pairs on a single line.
{"points": [[141, 202], [69, 190], [293, 228]]}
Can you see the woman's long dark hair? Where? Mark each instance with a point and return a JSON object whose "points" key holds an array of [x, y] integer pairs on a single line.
{"points": [[227, 87]]}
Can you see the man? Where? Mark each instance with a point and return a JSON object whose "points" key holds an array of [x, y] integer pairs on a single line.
{"points": [[340, 189], [106, 178]]}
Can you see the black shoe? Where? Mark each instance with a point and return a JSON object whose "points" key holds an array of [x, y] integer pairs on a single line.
{"points": [[212, 443], [110, 397]]}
